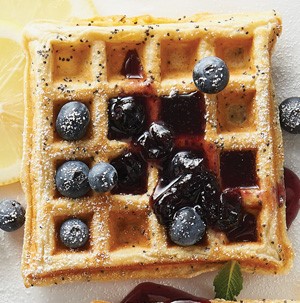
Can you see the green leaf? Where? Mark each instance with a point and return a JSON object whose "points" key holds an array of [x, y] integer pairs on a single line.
{"points": [[228, 282]]}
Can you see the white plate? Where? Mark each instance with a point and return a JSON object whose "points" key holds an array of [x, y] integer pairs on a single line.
{"points": [[286, 75]]}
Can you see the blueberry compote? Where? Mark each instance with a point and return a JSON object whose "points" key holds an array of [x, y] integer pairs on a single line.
{"points": [[153, 293], [238, 169], [156, 143], [187, 182], [126, 117], [200, 190], [292, 188], [132, 174], [188, 198], [230, 210], [239, 225], [185, 113], [184, 162], [132, 67], [245, 231]]}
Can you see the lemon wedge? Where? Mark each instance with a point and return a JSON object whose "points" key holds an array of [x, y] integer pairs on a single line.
{"points": [[11, 102], [14, 15], [22, 12]]}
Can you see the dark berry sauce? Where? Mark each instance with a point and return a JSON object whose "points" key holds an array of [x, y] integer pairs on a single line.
{"points": [[292, 188], [132, 174], [132, 67], [153, 293], [245, 231], [185, 113], [188, 176], [230, 210], [238, 169], [129, 116], [192, 161]]}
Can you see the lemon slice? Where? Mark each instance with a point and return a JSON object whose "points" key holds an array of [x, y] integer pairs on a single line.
{"points": [[12, 66], [11, 102], [22, 12]]}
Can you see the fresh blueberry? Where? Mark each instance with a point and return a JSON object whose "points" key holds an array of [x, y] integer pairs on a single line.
{"points": [[230, 210], [211, 75], [74, 233], [289, 111], [187, 227], [199, 190], [126, 115], [130, 169], [72, 179], [185, 162], [103, 177], [72, 121], [157, 143], [12, 215]]}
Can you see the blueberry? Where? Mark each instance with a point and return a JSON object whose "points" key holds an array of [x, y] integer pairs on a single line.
{"points": [[230, 210], [205, 190], [187, 227], [185, 162], [199, 190], [12, 215], [130, 169], [211, 75], [126, 115], [74, 233], [168, 199], [72, 121], [103, 177], [158, 142], [72, 179], [289, 111]]}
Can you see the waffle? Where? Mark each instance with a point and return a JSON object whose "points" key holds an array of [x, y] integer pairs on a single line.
{"points": [[81, 60], [239, 301]]}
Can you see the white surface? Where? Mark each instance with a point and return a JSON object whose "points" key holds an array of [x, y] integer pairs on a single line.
{"points": [[286, 73]]}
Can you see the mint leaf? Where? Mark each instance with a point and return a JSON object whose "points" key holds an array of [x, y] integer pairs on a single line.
{"points": [[228, 282]]}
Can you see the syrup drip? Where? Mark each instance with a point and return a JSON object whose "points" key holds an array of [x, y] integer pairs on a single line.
{"points": [[155, 293], [292, 187], [132, 67]]}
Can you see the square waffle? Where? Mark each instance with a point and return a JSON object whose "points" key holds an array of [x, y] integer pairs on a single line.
{"points": [[82, 60], [239, 301]]}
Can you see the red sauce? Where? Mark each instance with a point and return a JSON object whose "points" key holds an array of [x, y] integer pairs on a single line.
{"points": [[292, 187], [153, 293]]}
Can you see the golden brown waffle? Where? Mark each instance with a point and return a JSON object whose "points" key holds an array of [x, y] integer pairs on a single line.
{"points": [[82, 62], [239, 301]]}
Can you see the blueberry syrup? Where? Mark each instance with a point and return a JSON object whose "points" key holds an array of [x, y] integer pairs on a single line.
{"points": [[245, 231], [155, 293], [132, 174], [292, 188], [132, 67], [187, 176], [238, 169], [185, 113], [230, 210]]}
